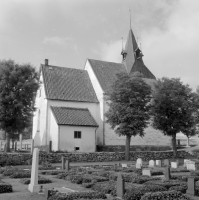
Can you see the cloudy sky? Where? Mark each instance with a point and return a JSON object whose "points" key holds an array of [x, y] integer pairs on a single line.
{"points": [[67, 32]]}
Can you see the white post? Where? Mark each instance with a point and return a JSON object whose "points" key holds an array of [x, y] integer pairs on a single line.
{"points": [[32, 146], [33, 186], [20, 141]]}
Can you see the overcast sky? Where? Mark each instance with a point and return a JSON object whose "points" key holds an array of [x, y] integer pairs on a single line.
{"points": [[67, 32]]}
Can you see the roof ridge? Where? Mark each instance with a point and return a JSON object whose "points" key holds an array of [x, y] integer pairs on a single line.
{"points": [[104, 61], [70, 108], [63, 67]]}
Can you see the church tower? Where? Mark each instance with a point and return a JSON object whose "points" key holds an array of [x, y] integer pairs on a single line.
{"points": [[132, 58]]}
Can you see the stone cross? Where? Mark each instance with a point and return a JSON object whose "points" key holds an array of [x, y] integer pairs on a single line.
{"points": [[33, 186], [65, 164], [191, 186], [151, 163], [146, 172], [120, 186], [167, 173]]}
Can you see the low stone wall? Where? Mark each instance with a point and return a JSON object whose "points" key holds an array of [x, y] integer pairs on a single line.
{"points": [[25, 159], [121, 148]]}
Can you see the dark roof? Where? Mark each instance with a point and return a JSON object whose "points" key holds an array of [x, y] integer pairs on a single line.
{"points": [[131, 62], [73, 116], [106, 72], [68, 84]]}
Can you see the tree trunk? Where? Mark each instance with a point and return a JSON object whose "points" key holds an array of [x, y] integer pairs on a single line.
{"points": [[127, 149], [187, 141], [174, 145], [7, 142]]}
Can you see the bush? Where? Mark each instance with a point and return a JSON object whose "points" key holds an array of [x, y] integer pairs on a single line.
{"points": [[180, 188], [21, 174], [41, 180], [104, 187], [77, 195], [139, 192], [87, 185], [171, 195], [51, 172], [166, 184], [5, 187]]}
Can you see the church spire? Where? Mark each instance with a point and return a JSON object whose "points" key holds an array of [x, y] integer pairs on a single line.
{"points": [[132, 57]]}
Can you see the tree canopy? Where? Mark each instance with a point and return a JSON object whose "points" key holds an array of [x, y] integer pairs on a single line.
{"points": [[129, 107], [175, 108], [18, 87]]}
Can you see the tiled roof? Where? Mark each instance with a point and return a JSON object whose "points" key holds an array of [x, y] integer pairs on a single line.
{"points": [[73, 116], [68, 84], [106, 72]]}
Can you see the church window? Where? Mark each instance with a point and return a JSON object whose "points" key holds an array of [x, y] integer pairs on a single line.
{"points": [[77, 134]]}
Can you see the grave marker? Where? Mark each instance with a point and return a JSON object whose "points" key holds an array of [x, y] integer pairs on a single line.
{"points": [[146, 172], [120, 186], [46, 193], [167, 173], [174, 165], [139, 161], [33, 186], [166, 162], [151, 163], [138, 166], [124, 165], [159, 163], [65, 164], [191, 186]]}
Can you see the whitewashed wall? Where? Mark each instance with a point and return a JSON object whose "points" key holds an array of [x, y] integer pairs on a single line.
{"points": [[39, 133], [68, 142]]}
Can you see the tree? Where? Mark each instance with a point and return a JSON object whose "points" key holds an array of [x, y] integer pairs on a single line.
{"points": [[129, 107], [175, 108], [18, 87]]}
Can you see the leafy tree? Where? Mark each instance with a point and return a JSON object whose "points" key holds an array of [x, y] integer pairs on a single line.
{"points": [[175, 108], [18, 87], [129, 107]]}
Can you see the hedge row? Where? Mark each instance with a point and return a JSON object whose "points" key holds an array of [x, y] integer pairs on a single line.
{"points": [[5, 187], [121, 148], [25, 159]]}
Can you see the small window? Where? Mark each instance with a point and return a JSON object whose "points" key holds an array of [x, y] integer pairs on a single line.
{"points": [[76, 148], [77, 134]]}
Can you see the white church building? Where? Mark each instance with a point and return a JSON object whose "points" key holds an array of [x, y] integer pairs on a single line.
{"points": [[70, 104]]}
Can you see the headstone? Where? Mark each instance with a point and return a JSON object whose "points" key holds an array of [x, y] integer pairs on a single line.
{"points": [[65, 164], [32, 146], [138, 166], [191, 186], [174, 165], [159, 163], [166, 162], [186, 161], [139, 161], [167, 173], [124, 165], [120, 186], [46, 193], [191, 165], [33, 186], [151, 163], [20, 141], [180, 161], [146, 172]]}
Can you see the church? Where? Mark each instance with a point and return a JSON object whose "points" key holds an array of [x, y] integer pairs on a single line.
{"points": [[71, 106]]}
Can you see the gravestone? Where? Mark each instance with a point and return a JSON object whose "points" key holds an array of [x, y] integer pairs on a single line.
{"points": [[180, 161], [166, 162], [146, 172], [190, 165], [120, 186], [46, 193], [174, 165], [124, 165], [139, 161], [167, 173], [191, 186], [33, 186], [151, 163], [20, 141], [138, 166], [159, 163], [65, 164]]}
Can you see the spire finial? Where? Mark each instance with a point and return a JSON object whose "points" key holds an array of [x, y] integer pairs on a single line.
{"points": [[130, 17]]}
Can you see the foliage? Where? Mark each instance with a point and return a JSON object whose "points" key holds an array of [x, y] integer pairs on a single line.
{"points": [[41, 180], [128, 101], [5, 187], [175, 108], [104, 187], [171, 195], [18, 87], [77, 195]]}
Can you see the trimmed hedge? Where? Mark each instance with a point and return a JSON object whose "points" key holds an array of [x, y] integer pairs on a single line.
{"points": [[24, 159], [21, 174], [171, 195], [5, 187], [77, 195], [41, 180]]}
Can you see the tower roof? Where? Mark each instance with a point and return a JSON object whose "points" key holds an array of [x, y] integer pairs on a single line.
{"points": [[133, 58]]}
